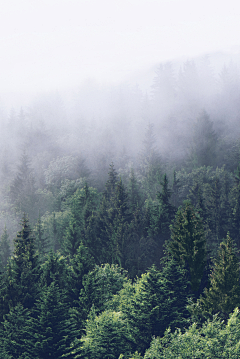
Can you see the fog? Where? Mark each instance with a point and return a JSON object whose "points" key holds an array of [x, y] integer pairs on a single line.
{"points": [[87, 83]]}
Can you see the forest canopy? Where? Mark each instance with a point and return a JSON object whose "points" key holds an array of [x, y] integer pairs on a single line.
{"points": [[120, 220]]}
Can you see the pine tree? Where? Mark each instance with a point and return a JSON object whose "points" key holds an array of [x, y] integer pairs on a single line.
{"points": [[23, 271], [162, 216], [223, 295], [22, 189], [42, 243], [55, 269], [166, 210], [55, 330], [107, 336], [236, 209], [175, 284], [134, 195], [188, 244], [4, 248], [151, 308], [17, 336], [72, 238]]}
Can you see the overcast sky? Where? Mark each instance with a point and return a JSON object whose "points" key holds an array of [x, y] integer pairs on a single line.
{"points": [[50, 44]]}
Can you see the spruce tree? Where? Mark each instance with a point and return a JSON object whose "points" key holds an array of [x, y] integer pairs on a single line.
{"points": [[17, 335], [42, 243], [23, 271], [55, 329], [153, 305], [223, 295], [4, 248], [55, 269], [188, 244]]}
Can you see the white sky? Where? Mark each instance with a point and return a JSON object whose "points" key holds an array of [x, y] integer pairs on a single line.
{"points": [[49, 44]]}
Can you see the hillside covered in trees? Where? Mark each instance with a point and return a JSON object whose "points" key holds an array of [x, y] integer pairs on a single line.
{"points": [[120, 220]]}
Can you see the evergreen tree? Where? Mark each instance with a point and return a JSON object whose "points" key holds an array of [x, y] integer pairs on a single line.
{"points": [[22, 189], [72, 238], [100, 285], [162, 216], [223, 295], [175, 284], [188, 244], [107, 336], [134, 195], [154, 303], [55, 269], [17, 336], [83, 205], [42, 243], [23, 271], [55, 330], [204, 142], [113, 222], [166, 210], [4, 248], [236, 208]]}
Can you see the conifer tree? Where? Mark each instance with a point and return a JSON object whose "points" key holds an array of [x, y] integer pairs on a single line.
{"points": [[134, 195], [223, 295], [17, 336], [22, 189], [236, 208], [165, 209], [107, 336], [55, 269], [55, 330], [153, 306], [4, 248], [162, 216], [175, 284], [188, 244], [42, 243], [23, 271]]}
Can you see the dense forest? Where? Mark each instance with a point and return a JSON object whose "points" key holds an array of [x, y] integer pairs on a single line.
{"points": [[120, 220]]}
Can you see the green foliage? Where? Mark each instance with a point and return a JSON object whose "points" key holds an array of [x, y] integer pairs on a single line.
{"points": [[82, 205], [23, 270], [4, 248], [55, 330], [107, 336], [113, 222], [204, 142], [23, 190], [42, 242], [223, 295], [188, 244], [157, 300], [17, 336], [100, 285], [54, 225], [212, 340], [55, 269]]}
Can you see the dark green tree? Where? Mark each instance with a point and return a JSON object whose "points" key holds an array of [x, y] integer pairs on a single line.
{"points": [[55, 269], [17, 336], [23, 270], [162, 216], [223, 295], [107, 336], [42, 243], [188, 244], [100, 285], [205, 142], [22, 189], [55, 329], [4, 248], [235, 218]]}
